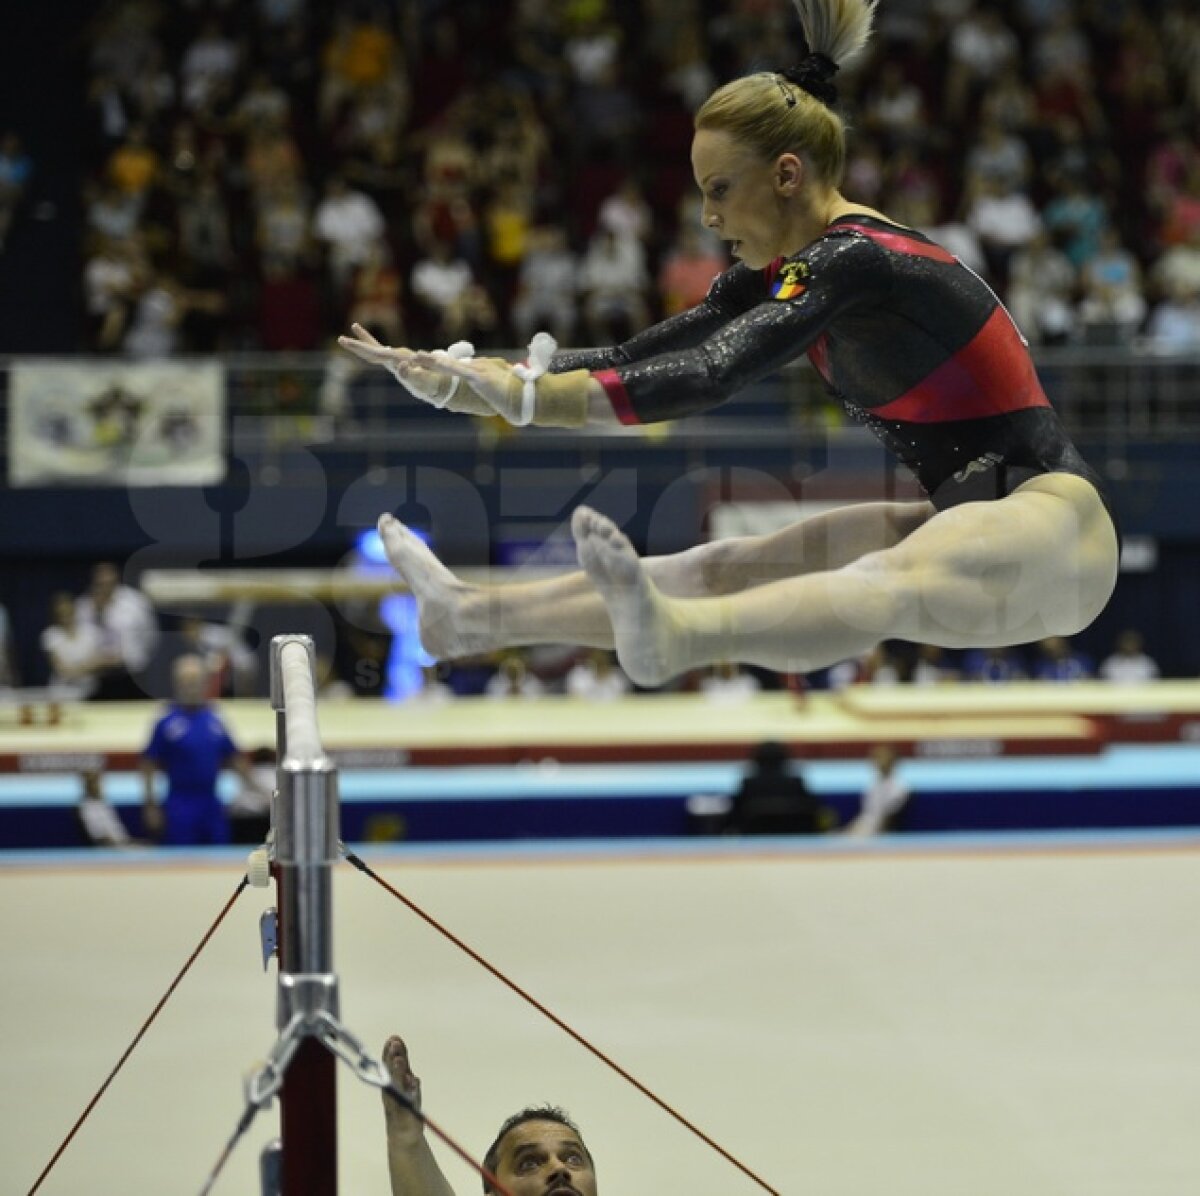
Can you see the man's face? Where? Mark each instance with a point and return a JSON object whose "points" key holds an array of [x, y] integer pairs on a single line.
{"points": [[544, 1158]]}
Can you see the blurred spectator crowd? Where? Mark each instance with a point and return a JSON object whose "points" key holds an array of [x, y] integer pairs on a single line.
{"points": [[263, 172]]}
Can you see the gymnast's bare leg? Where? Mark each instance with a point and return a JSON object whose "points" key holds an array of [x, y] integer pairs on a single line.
{"points": [[1041, 562], [458, 619]]}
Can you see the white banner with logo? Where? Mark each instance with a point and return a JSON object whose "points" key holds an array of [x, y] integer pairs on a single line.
{"points": [[116, 423]]}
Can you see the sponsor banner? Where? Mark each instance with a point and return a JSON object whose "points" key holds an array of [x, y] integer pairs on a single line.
{"points": [[116, 423]]}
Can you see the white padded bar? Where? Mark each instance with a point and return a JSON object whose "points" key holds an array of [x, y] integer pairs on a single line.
{"points": [[300, 706]]}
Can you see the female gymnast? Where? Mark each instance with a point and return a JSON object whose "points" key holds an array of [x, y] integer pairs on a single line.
{"points": [[1015, 542]]}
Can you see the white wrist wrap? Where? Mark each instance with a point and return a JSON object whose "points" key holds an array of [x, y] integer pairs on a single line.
{"points": [[541, 349]]}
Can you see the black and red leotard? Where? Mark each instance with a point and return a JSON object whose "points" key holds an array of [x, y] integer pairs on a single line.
{"points": [[907, 338]]}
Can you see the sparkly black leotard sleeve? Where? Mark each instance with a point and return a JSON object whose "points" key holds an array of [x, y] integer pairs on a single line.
{"points": [[731, 293], [907, 338]]}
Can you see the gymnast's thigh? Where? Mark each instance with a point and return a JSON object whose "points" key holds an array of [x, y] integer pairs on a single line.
{"points": [[1041, 561]]}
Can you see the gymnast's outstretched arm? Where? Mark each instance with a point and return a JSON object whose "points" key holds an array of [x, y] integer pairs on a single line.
{"points": [[412, 1169], [734, 291]]}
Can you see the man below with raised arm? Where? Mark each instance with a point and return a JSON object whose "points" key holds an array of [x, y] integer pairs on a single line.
{"points": [[537, 1152]]}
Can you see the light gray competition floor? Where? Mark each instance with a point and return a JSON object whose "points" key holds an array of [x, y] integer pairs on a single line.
{"points": [[917, 1022]]}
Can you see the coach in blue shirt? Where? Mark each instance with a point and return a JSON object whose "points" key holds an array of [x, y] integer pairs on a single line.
{"points": [[191, 745]]}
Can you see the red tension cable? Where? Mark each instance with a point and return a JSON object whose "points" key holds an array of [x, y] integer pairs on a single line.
{"points": [[112, 1075]]}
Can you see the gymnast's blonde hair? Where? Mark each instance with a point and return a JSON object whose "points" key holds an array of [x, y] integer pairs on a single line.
{"points": [[773, 115]]}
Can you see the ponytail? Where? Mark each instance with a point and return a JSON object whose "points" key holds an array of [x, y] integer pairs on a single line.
{"points": [[791, 111], [838, 29]]}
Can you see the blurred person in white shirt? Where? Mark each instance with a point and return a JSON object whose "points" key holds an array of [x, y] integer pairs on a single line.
{"points": [[349, 223], [728, 684], [434, 690], [513, 680], [981, 47], [875, 667], [100, 823], [210, 61], [615, 285], [1041, 291], [626, 212], [546, 285], [1004, 219], [1179, 266], [74, 648], [884, 798], [1129, 663], [447, 286], [128, 629], [110, 283], [1174, 324], [596, 678]]}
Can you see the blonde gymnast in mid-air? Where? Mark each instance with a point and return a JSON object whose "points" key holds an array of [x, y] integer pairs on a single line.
{"points": [[1016, 541]]}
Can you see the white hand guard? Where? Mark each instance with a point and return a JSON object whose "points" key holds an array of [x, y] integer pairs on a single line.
{"points": [[435, 389], [441, 390]]}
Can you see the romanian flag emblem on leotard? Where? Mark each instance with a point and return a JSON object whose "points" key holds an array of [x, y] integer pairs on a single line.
{"points": [[790, 283]]}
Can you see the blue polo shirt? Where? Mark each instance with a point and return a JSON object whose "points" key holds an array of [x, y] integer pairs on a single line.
{"points": [[191, 745]]}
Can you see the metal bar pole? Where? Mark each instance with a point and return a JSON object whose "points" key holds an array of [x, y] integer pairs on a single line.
{"points": [[305, 822]]}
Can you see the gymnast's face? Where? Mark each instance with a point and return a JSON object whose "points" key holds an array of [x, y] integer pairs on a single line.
{"points": [[746, 199], [544, 1158]]}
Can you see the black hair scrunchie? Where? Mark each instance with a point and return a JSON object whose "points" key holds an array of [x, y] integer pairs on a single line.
{"points": [[815, 75]]}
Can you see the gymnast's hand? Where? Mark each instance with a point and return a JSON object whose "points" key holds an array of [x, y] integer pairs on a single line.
{"points": [[490, 379], [523, 394], [403, 1129], [430, 386]]}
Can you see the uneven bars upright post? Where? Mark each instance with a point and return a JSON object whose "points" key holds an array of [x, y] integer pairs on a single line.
{"points": [[305, 820]]}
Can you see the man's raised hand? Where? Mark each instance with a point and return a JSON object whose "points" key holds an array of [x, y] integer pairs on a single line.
{"points": [[403, 1127]]}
